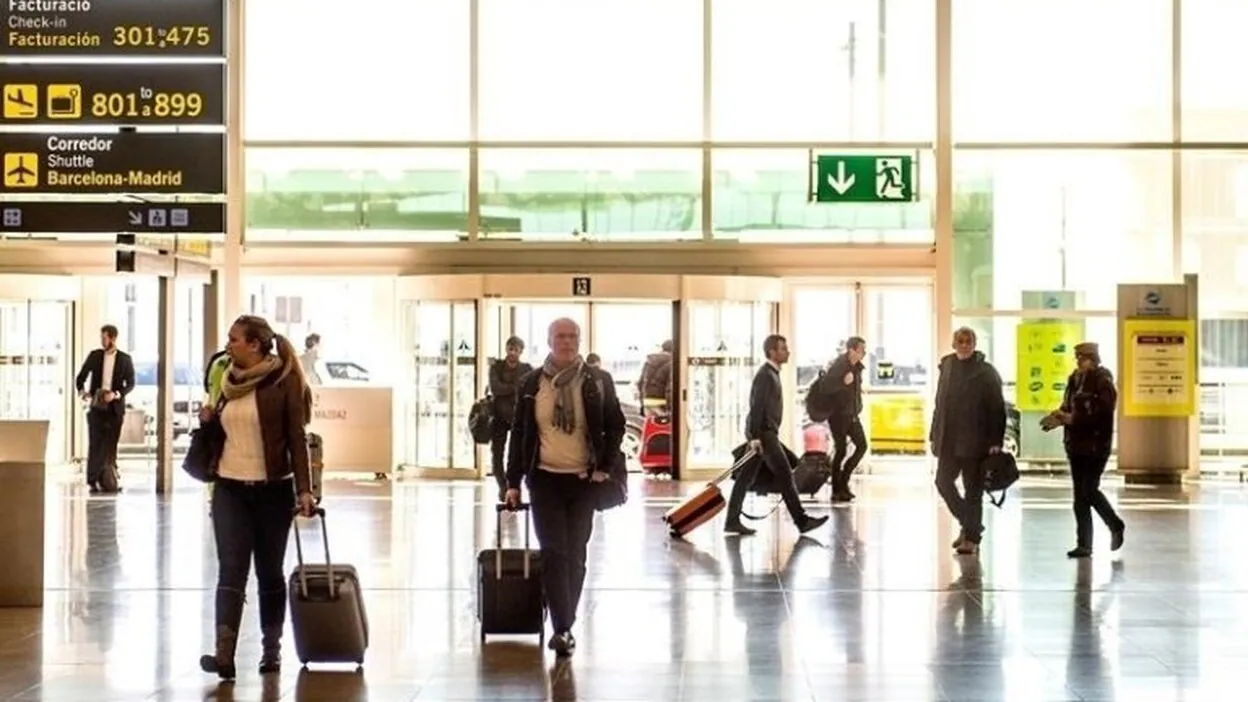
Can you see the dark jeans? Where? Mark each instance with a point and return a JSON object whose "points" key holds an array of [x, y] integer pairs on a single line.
{"points": [[103, 433], [968, 509], [845, 430], [778, 463], [498, 450], [1085, 474], [252, 522], [563, 518]]}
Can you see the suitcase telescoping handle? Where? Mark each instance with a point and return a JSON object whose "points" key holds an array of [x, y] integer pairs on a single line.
{"points": [[329, 564], [498, 537], [745, 458]]}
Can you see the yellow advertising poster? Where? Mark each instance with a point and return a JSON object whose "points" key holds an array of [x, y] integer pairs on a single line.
{"points": [[1045, 360], [1159, 374]]}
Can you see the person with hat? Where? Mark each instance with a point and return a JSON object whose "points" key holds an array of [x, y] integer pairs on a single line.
{"points": [[1087, 414]]}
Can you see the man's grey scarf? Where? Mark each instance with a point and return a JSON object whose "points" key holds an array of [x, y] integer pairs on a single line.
{"points": [[565, 402]]}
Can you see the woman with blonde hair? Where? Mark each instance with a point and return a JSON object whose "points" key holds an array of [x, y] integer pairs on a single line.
{"points": [[263, 476]]}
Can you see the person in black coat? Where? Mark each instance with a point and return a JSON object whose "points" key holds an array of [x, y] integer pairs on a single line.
{"points": [[843, 383], [111, 373], [1087, 413], [762, 432], [968, 424], [505, 375]]}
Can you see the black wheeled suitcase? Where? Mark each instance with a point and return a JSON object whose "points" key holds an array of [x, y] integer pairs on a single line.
{"points": [[327, 608], [509, 586]]}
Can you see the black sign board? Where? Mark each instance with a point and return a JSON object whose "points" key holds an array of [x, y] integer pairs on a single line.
{"points": [[110, 28], [111, 217], [582, 286], [116, 93], [127, 162]]}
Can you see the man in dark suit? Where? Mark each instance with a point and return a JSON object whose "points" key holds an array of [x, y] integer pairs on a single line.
{"points": [[762, 431], [112, 378]]}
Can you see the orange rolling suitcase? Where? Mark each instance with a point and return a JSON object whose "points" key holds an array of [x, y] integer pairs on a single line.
{"points": [[702, 506]]}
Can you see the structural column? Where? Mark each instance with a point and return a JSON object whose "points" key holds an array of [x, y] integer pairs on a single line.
{"points": [[943, 148], [164, 384], [231, 281]]}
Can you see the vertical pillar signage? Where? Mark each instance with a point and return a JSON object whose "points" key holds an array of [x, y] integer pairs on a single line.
{"points": [[152, 63]]}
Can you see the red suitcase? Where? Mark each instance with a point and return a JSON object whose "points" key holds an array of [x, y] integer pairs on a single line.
{"points": [[703, 505]]}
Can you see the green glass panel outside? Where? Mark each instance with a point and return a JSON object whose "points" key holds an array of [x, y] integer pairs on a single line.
{"points": [[353, 189], [763, 195], [598, 194]]}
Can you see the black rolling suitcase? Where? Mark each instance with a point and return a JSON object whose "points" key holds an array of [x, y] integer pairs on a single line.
{"points": [[509, 586], [327, 609]]}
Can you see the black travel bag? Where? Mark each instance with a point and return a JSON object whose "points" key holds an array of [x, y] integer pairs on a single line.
{"points": [[509, 585], [327, 608]]}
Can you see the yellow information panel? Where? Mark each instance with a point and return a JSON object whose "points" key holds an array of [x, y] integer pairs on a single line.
{"points": [[1045, 359], [1159, 377]]}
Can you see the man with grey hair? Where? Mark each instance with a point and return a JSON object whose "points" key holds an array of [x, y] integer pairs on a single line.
{"points": [[565, 437], [968, 424]]}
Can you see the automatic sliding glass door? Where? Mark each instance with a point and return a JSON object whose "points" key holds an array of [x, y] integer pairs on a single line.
{"points": [[440, 384]]}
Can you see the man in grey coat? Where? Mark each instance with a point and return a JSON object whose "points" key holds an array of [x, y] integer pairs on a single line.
{"points": [[968, 424]]}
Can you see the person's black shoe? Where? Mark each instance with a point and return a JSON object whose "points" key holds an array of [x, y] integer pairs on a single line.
{"points": [[94, 489], [1079, 552], [841, 498], [810, 523], [739, 529], [563, 644], [1118, 536]]}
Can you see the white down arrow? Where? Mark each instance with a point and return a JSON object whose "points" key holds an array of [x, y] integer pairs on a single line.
{"points": [[841, 183]]}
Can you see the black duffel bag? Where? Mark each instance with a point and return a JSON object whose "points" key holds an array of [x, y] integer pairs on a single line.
{"points": [[1000, 472]]}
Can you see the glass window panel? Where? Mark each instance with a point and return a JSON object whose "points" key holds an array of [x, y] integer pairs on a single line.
{"points": [[570, 69], [336, 308], [763, 195], [409, 195], [811, 69], [1063, 70], [1215, 228], [1215, 108], [1081, 221], [382, 69], [822, 319], [597, 194]]}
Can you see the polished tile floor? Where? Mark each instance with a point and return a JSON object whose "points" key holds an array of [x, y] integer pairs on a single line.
{"points": [[874, 606]]}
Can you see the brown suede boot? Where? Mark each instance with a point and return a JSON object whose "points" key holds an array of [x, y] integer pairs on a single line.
{"points": [[222, 662]]}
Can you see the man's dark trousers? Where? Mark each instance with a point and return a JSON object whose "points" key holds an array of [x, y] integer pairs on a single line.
{"points": [[778, 463]]}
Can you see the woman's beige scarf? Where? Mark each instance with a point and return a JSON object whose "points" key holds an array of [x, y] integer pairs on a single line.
{"points": [[237, 382]]}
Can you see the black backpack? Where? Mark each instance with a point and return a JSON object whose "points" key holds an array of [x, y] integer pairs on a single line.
{"points": [[819, 402], [481, 420], [1000, 472]]}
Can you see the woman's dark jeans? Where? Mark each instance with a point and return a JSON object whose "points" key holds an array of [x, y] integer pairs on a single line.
{"points": [[252, 521], [563, 517]]}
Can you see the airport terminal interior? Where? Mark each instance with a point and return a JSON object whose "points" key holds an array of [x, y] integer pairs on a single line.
{"points": [[402, 189]]}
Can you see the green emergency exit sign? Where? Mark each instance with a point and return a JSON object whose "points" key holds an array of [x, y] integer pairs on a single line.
{"points": [[865, 178]]}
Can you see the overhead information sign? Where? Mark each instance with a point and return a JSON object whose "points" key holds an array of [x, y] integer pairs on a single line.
{"points": [[104, 28], [117, 93], [114, 163], [111, 217]]}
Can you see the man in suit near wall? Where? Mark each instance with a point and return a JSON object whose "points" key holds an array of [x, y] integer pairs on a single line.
{"points": [[112, 378], [762, 431]]}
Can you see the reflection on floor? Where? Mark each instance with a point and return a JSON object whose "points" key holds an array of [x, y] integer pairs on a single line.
{"points": [[873, 607]]}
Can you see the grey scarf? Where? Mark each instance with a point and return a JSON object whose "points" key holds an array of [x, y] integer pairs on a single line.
{"points": [[565, 402]]}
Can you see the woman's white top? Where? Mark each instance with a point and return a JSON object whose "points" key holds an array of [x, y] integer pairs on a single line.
{"points": [[243, 458]]}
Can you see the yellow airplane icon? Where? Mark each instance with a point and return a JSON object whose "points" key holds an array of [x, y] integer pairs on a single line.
{"points": [[21, 170], [21, 101]]}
